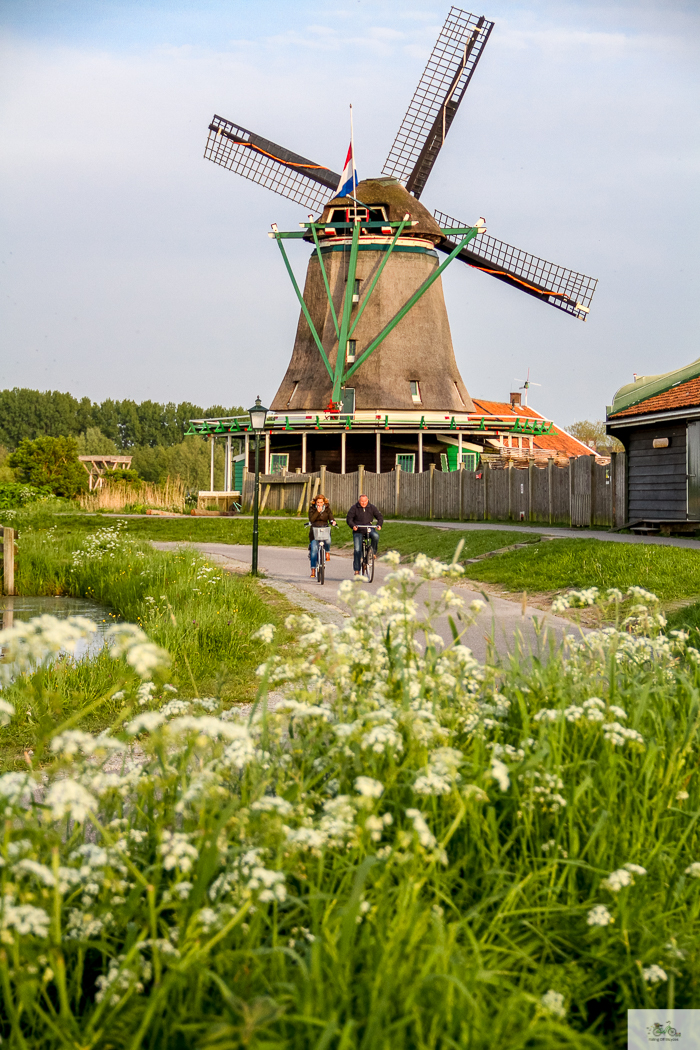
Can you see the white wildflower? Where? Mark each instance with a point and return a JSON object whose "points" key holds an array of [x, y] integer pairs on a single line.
{"points": [[425, 835], [273, 803], [177, 851], [368, 787], [654, 974], [382, 738], [6, 712], [272, 882], [26, 919], [68, 798], [147, 722], [547, 714], [693, 869], [553, 1003], [599, 916], [682, 796], [499, 772], [617, 880], [265, 634], [636, 869]]}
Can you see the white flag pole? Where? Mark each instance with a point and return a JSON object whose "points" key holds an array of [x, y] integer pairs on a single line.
{"points": [[352, 164]]}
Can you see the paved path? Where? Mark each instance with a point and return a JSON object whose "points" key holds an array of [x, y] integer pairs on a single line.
{"points": [[503, 623], [560, 533]]}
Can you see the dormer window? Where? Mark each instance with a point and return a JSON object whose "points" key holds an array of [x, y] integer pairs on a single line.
{"points": [[356, 291], [415, 392], [351, 351]]}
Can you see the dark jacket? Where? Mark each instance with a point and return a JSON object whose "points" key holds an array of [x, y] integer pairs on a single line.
{"points": [[358, 515], [319, 519]]}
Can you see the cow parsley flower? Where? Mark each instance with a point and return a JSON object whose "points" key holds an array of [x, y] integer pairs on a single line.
{"points": [[68, 798], [617, 880], [368, 787], [499, 772], [425, 835], [273, 803], [265, 634], [654, 974], [693, 869], [553, 1003], [25, 919], [6, 712], [599, 916], [177, 851], [145, 722]]}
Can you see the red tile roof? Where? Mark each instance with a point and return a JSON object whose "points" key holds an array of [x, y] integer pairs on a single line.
{"points": [[558, 441], [685, 395]]}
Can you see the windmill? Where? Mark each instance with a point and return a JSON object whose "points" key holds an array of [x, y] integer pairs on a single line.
{"points": [[373, 338], [526, 386]]}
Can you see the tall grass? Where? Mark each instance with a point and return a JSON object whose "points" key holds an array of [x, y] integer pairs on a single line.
{"points": [[413, 853], [121, 495]]}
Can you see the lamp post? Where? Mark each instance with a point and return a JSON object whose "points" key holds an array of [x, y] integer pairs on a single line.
{"points": [[258, 415]]}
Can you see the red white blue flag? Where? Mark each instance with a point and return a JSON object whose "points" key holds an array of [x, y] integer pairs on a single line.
{"points": [[348, 180]]}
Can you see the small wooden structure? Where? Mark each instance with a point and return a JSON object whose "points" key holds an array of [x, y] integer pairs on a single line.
{"points": [[97, 467], [657, 419]]}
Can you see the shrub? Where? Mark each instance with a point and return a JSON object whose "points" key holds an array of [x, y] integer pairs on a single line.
{"points": [[50, 462], [15, 494]]}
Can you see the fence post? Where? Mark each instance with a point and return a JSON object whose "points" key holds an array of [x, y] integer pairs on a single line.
{"points": [[571, 492], [322, 480], [431, 503], [8, 560], [461, 491], [613, 490], [397, 483], [530, 468], [486, 490], [509, 468], [550, 497], [593, 484], [360, 480]]}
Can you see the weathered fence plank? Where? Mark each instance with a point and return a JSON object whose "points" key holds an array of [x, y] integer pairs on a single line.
{"points": [[8, 560]]}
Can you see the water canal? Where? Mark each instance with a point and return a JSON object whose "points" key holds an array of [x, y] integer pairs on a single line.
{"points": [[18, 607]]}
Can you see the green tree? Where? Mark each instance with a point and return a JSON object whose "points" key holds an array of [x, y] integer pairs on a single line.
{"points": [[50, 461], [92, 442], [7, 474], [592, 433]]}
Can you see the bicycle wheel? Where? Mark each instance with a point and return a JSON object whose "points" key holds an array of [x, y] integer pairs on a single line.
{"points": [[321, 570], [370, 565]]}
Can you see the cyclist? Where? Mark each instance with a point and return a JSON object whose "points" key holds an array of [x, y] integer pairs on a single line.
{"points": [[363, 513], [320, 515]]}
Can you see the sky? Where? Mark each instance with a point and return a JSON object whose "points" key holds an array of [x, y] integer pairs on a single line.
{"points": [[133, 268]]}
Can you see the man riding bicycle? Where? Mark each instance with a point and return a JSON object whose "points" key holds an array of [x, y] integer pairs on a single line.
{"points": [[363, 513]]}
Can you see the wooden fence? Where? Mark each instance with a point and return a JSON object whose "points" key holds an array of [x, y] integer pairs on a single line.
{"points": [[7, 551], [583, 492]]}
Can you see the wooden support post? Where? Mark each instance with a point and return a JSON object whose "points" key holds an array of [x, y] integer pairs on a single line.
{"points": [[530, 485], [322, 480], [8, 561], [613, 490], [550, 494], [459, 448], [571, 491], [301, 501], [461, 491], [592, 520], [360, 480], [485, 471], [229, 465], [379, 452], [212, 439], [317, 485], [510, 489], [303, 453], [264, 499], [431, 503], [397, 488], [246, 452], [342, 451], [420, 451], [267, 452]]}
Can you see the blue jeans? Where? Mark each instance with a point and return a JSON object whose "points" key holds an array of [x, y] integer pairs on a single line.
{"points": [[357, 546], [313, 551]]}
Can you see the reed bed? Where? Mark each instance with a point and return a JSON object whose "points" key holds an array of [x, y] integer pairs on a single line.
{"points": [[124, 496]]}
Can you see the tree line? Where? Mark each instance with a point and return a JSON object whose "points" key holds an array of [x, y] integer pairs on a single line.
{"points": [[29, 414]]}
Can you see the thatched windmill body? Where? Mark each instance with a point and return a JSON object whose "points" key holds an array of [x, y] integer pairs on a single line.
{"points": [[373, 351]]}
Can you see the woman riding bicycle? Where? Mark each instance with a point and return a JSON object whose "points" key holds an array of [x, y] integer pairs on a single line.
{"points": [[320, 515]]}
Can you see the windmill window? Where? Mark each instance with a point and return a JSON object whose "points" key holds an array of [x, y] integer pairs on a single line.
{"points": [[356, 291], [407, 462], [461, 399], [415, 392], [351, 351], [291, 396], [347, 404], [279, 462]]}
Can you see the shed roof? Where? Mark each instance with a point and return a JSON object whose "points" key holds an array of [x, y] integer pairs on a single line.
{"points": [[558, 441], [679, 388]]}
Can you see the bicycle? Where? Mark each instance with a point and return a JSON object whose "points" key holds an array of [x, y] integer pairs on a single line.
{"points": [[368, 556], [322, 533]]}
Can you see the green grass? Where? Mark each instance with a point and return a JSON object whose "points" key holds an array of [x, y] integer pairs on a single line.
{"points": [[407, 539], [669, 572]]}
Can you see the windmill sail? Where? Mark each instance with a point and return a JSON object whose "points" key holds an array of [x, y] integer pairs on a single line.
{"points": [[437, 97], [565, 289], [270, 165]]}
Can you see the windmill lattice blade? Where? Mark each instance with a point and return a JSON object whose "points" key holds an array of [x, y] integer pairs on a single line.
{"points": [[434, 104], [565, 289], [270, 165]]}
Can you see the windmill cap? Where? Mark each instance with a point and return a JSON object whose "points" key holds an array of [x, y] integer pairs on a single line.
{"points": [[397, 201]]}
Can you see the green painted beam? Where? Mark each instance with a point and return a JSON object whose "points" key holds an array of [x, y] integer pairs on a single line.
{"points": [[410, 303], [304, 308], [325, 280], [365, 298], [345, 321]]}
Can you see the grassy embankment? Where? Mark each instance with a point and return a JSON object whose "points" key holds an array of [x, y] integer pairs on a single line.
{"points": [[202, 616]]}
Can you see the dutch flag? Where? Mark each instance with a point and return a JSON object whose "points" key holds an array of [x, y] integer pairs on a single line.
{"points": [[348, 180]]}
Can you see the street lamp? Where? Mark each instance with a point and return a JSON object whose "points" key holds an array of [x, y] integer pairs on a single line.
{"points": [[258, 416]]}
